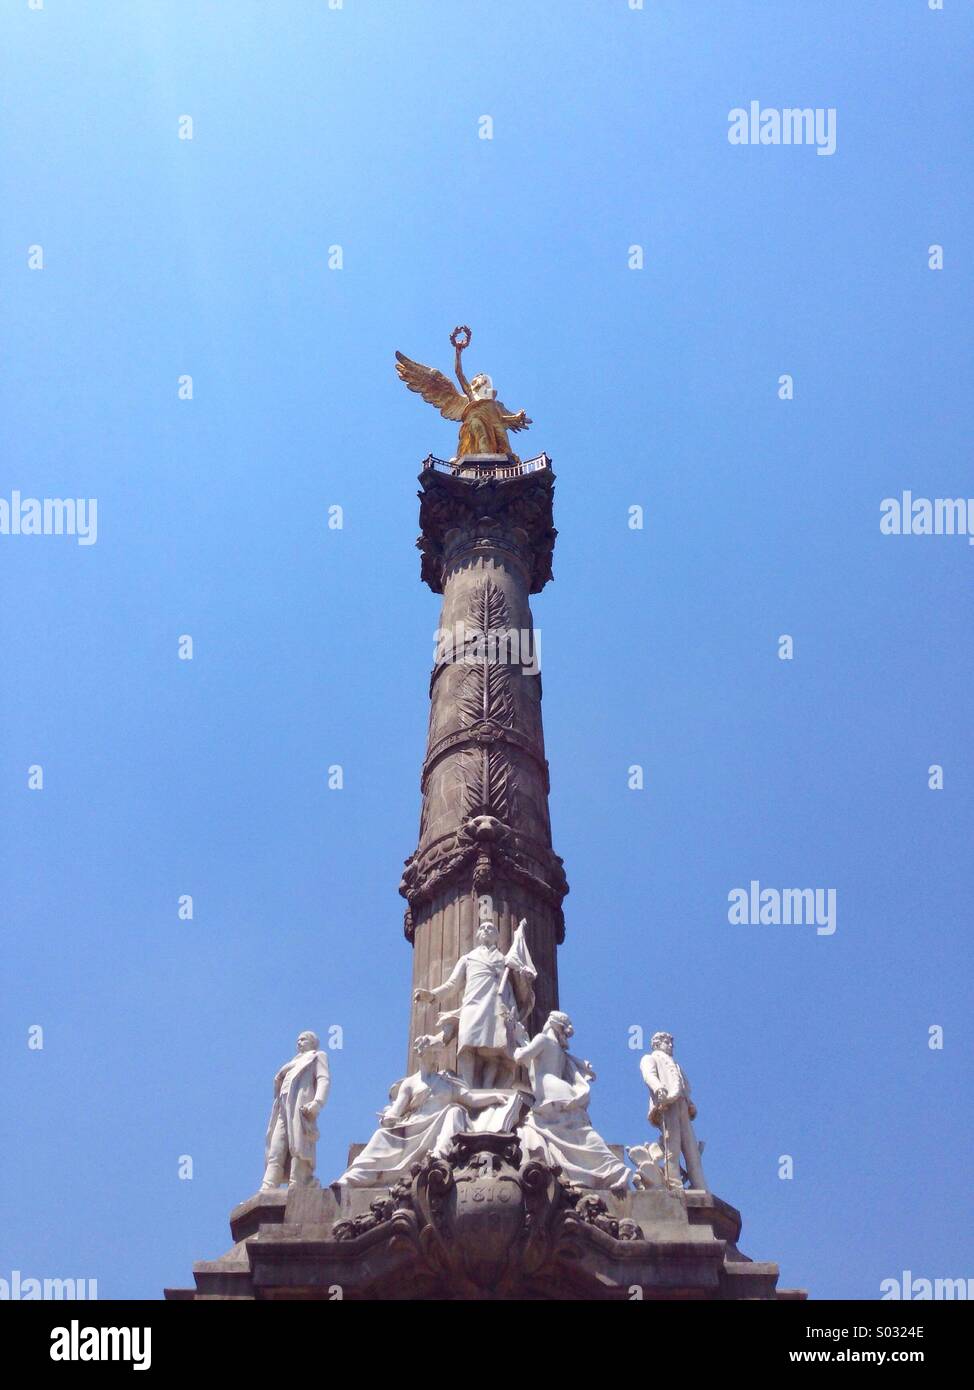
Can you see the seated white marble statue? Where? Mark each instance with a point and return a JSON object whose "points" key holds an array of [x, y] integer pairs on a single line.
{"points": [[557, 1128], [425, 1111]]}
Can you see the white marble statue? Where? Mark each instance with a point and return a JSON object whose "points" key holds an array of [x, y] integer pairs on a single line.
{"points": [[649, 1160], [672, 1110], [557, 1128], [300, 1091], [497, 990], [425, 1111]]}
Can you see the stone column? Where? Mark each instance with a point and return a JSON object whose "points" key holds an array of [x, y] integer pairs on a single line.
{"points": [[487, 542]]}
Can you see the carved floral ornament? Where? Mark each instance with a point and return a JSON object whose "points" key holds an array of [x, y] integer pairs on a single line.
{"points": [[481, 1220], [427, 872]]}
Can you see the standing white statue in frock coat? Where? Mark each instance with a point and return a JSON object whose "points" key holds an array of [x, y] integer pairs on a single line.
{"points": [[672, 1110], [498, 990], [300, 1091], [558, 1129]]}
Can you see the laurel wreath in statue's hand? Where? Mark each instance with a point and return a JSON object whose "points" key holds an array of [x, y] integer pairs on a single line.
{"points": [[458, 342]]}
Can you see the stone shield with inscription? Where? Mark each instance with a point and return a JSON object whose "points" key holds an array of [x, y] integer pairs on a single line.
{"points": [[475, 1206]]}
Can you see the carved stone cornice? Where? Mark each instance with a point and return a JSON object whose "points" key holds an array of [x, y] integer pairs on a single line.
{"points": [[482, 850], [460, 516]]}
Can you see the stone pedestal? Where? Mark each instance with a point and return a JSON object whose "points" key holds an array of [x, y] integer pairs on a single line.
{"points": [[482, 1224]]}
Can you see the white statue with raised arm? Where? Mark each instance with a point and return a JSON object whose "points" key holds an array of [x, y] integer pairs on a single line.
{"points": [[498, 990], [300, 1091], [672, 1110]]}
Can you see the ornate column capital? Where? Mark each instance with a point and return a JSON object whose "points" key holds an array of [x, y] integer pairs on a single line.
{"points": [[487, 506]]}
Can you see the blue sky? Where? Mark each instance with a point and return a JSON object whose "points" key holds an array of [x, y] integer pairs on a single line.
{"points": [[657, 387]]}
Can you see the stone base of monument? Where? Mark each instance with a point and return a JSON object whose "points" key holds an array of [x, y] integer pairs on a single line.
{"points": [[481, 1224]]}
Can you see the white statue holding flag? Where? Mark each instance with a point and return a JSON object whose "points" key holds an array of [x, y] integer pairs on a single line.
{"points": [[498, 993]]}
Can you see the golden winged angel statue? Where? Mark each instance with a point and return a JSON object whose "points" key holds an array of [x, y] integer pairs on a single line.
{"points": [[484, 420]]}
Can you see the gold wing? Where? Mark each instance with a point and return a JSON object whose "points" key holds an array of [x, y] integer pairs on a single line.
{"points": [[433, 386]]}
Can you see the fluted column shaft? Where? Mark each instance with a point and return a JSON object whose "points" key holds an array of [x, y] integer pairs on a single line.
{"points": [[485, 835]]}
